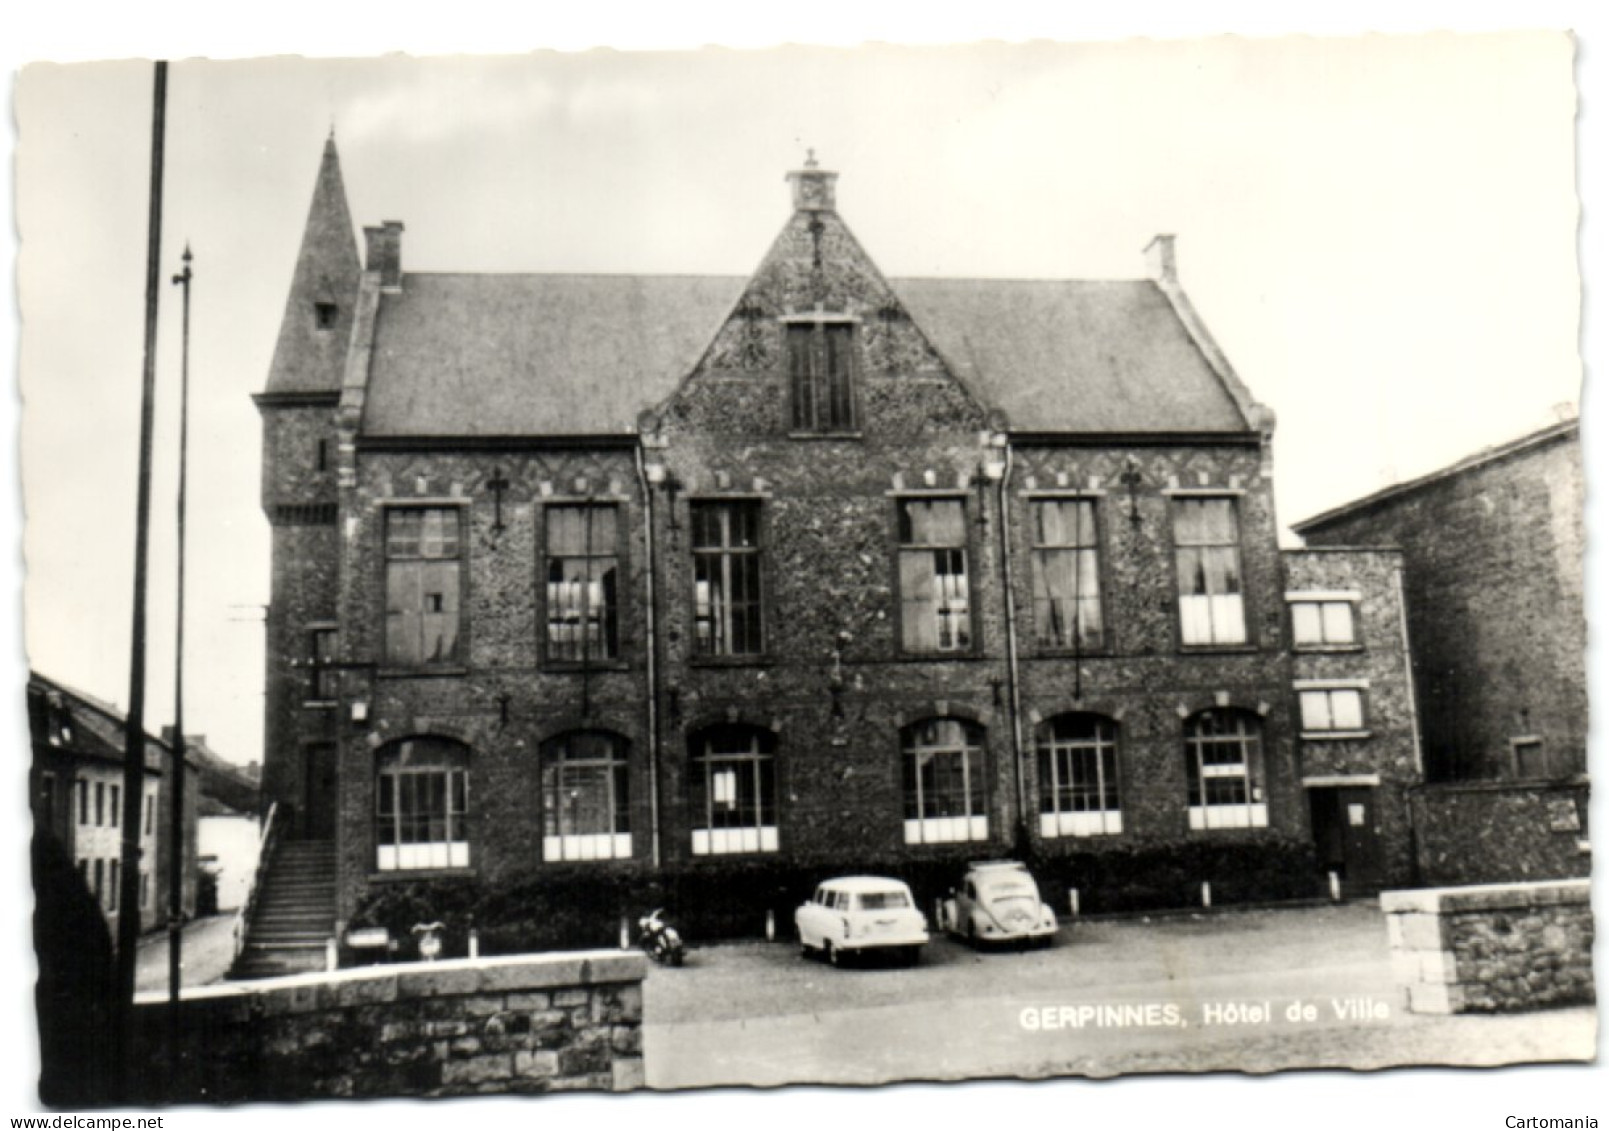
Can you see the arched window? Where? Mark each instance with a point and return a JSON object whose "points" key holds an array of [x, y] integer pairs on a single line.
{"points": [[945, 798], [1078, 788], [585, 810], [421, 805], [1224, 763], [734, 790]]}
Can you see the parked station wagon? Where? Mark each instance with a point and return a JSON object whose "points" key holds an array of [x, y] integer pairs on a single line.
{"points": [[859, 915], [997, 902]]}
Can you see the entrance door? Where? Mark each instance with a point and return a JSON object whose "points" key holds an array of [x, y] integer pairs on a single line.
{"points": [[1345, 837], [318, 791]]}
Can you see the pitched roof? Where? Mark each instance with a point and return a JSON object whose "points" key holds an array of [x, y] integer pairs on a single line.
{"points": [[547, 355], [536, 355], [1073, 356], [95, 728]]}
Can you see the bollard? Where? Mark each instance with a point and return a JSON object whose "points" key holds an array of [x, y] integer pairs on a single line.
{"points": [[474, 943], [770, 925], [1206, 894], [330, 957], [1335, 887], [625, 934], [1072, 901]]}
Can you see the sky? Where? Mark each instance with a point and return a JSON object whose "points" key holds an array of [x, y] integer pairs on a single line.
{"points": [[1381, 232]]}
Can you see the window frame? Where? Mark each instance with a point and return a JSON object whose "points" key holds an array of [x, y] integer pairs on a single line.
{"points": [[920, 829], [1320, 600], [1250, 813], [709, 839], [970, 647], [321, 667], [448, 853], [1314, 727], [818, 327], [1057, 822], [622, 630], [458, 663], [1179, 498], [728, 555], [1037, 552], [559, 846]]}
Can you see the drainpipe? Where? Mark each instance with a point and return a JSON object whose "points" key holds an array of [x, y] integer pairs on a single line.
{"points": [[1407, 667], [1012, 681], [652, 637]]}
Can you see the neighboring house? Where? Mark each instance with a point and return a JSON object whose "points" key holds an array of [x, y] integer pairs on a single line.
{"points": [[1492, 555], [76, 786], [643, 572], [229, 827]]}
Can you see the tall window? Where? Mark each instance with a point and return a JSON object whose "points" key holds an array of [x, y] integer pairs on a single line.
{"points": [[100, 804], [583, 610], [821, 365], [726, 578], [150, 813], [1078, 793], [1206, 534], [1224, 764], [734, 790], [114, 814], [1066, 574], [585, 815], [421, 809], [321, 683], [1322, 623], [83, 801], [944, 782], [1331, 709], [424, 583], [935, 610]]}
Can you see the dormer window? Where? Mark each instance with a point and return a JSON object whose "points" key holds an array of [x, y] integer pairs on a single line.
{"points": [[821, 372], [324, 315]]}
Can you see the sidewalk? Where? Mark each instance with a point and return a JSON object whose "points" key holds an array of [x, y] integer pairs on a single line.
{"points": [[207, 949]]}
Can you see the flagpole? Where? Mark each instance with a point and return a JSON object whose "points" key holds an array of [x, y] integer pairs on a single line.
{"points": [[128, 919]]}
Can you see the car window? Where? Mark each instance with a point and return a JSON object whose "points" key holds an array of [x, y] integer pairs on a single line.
{"points": [[883, 900], [1007, 887]]}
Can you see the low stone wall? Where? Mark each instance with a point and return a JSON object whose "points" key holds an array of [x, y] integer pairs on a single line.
{"points": [[1500, 832], [1494, 948], [524, 1023]]}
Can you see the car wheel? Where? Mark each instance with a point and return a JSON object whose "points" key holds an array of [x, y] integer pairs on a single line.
{"points": [[834, 955], [972, 935], [913, 955]]}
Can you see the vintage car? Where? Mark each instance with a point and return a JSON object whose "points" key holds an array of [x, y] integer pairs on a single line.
{"points": [[855, 915], [997, 902]]}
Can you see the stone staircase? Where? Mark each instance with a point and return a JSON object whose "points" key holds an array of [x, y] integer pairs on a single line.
{"points": [[293, 915]]}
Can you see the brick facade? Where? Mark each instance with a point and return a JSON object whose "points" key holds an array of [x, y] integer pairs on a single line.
{"points": [[839, 718]]}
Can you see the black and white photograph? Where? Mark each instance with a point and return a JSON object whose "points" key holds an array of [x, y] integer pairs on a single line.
{"points": [[824, 561]]}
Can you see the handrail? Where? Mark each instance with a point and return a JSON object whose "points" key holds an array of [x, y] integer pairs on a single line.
{"points": [[265, 849]]}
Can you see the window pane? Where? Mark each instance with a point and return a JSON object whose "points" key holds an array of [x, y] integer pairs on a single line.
{"points": [[1315, 710], [1306, 625], [1337, 622], [1346, 709]]}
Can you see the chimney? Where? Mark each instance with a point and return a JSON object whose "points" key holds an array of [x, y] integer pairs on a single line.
{"points": [[813, 186], [385, 253], [1159, 259]]}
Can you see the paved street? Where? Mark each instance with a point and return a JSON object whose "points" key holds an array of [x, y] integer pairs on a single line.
{"points": [[759, 1014], [205, 955]]}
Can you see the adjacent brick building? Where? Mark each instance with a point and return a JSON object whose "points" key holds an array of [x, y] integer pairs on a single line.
{"points": [[76, 792], [812, 568]]}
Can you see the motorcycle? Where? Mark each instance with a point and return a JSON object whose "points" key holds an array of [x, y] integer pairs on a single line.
{"points": [[659, 940]]}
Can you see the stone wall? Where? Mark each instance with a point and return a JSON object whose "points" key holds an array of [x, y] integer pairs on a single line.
{"points": [[1495, 832], [522, 1024], [1492, 949], [1493, 556]]}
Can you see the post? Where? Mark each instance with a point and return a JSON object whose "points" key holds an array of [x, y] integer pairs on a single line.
{"points": [[625, 934], [176, 817], [770, 925], [1072, 901], [1335, 887], [1206, 894], [128, 919]]}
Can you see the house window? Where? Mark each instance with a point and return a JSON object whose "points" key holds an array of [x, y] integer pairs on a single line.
{"points": [[1530, 758], [324, 315], [1206, 534], [145, 890], [734, 787], [424, 582], [100, 804], [935, 612], [584, 798], [322, 681], [1066, 575], [583, 607], [1078, 794], [1320, 624], [83, 802], [114, 817], [150, 813], [114, 876], [944, 782], [422, 805], [726, 578], [1331, 710], [1224, 764], [821, 366]]}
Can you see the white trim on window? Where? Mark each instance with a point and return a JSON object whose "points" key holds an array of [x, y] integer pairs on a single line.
{"points": [[1330, 684], [1252, 815], [1294, 595]]}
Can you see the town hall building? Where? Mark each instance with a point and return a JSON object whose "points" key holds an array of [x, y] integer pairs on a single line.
{"points": [[803, 572]]}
